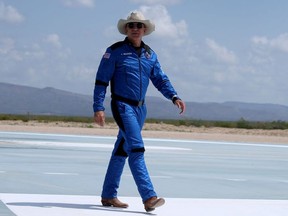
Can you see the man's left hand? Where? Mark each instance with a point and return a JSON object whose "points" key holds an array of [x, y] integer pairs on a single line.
{"points": [[181, 105]]}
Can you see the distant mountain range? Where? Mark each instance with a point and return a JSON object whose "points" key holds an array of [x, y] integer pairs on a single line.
{"points": [[17, 99]]}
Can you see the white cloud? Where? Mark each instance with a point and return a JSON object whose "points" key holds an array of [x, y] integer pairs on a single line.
{"points": [[10, 14], [279, 43], [8, 51], [54, 39], [221, 53], [260, 40], [79, 3], [163, 2], [81, 72], [6, 45], [165, 27]]}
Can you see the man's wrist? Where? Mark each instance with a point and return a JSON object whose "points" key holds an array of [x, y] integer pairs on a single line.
{"points": [[174, 98]]}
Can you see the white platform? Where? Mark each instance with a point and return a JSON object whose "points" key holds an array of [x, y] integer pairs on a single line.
{"points": [[72, 205]]}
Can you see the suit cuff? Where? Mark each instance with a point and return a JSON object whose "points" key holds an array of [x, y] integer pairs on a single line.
{"points": [[174, 98]]}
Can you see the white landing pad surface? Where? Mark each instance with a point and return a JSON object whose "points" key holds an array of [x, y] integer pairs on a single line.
{"points": [[74, 205]]}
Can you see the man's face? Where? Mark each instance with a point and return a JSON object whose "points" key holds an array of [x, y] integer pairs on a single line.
{"points": [[135, 30]]}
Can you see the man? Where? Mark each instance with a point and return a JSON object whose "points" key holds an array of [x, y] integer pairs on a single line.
{"points": [[129, 65]]}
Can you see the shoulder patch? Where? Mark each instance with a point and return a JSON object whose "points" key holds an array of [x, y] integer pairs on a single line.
{"points": [[106, 55]]}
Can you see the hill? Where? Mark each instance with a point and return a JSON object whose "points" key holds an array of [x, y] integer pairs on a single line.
{"points": [[18, 99]]}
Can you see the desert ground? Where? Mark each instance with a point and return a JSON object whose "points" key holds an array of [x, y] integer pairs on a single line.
{"points": [[153, 131]]}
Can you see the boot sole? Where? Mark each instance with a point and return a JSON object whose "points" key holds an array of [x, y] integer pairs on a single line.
{"points": [[109, 204], [159, 202]]}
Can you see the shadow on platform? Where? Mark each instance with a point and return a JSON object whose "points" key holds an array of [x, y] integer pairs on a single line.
{"points": [[75, 206]]}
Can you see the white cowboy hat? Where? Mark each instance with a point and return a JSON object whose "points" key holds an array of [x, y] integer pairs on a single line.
{"points": [[136, 17]]}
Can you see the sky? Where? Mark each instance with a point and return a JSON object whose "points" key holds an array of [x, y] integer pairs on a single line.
{"points": [[212, 50]]}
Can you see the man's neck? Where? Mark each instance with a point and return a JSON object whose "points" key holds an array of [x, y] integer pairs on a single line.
{"points": [[135, 43]]}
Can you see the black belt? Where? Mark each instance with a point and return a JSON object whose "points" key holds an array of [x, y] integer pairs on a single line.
{"points": [[128, 101]]}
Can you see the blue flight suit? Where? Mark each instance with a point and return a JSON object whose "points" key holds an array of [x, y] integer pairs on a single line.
{"points": [[129, 70]]}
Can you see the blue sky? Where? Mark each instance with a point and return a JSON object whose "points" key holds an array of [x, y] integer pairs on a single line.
{"points": [[212, 50]]}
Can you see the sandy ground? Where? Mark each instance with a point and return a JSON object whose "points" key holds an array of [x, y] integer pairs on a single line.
{"points": [[152, 131]]}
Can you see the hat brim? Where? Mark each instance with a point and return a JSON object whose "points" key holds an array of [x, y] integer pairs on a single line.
{"points": [[150, 27]]}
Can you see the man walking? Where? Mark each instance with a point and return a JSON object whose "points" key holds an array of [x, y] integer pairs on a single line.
{"points": [[128, 66]]}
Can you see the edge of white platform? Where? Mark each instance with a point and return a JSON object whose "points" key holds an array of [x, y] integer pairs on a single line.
{"points": [[72, 205]]}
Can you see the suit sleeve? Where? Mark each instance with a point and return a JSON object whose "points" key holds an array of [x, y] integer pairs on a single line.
{"points": [[161, 81], [104, 74]]}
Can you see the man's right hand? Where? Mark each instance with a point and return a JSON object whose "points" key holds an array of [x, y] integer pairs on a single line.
{"points": [[99, 118]]}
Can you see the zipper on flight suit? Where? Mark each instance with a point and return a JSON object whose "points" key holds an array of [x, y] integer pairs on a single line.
{"points": [[139, 54], [140, 78]]}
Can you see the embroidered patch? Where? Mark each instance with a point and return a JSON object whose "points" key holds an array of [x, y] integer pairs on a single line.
{"points": [[107, 55], [129, 53], [147, 55]]}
